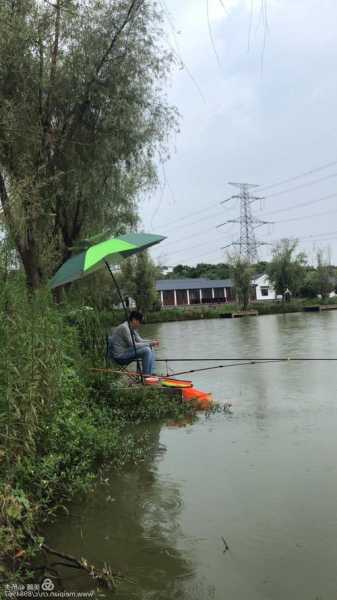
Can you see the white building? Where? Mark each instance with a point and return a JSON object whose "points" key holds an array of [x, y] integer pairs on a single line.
{"points": [[185, 292], [264, 289]]}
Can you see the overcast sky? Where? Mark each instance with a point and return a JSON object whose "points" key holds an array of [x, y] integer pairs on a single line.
{"points": [[258, 104]]}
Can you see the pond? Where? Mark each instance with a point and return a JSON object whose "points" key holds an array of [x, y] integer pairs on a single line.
{"points": [[261, 480]]}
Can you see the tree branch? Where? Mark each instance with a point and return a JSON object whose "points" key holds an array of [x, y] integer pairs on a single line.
{"points": [[103, 577], [4, 199], [79, 110], [53, 65], [132, 8], [41, 67]]}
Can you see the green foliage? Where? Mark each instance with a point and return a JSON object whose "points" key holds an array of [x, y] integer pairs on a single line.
{"points": [[286, 270], [82, 120], [241, 273], [58, 420], [276, 308], [96, 291], [319, 281], [209, 271], [138, 279], [324, 275], [310, 285], [185, 314], [34, 350], [190, 314], [145, 282], [127, 277], [142, 404]]}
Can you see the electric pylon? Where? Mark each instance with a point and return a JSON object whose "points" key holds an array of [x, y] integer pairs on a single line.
{"points": [[247, 243]]}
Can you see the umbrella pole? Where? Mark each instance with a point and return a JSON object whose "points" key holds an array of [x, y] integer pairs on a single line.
{"points": [[127, 318]]}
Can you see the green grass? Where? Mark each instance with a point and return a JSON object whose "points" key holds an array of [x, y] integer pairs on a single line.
{"points": [[204, 312], [58, 421]]}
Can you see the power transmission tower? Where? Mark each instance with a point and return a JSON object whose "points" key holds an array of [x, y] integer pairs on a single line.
{"points": [[247, 243]]}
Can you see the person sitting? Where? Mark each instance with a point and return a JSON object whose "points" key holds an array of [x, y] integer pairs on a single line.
{"points": [[122, 349]]}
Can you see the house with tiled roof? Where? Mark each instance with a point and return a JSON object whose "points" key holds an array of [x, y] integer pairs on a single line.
{"points": [[186, 292]]}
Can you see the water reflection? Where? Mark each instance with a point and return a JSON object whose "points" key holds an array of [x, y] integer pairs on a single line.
{"points": [[132, 523], [264, 477]]}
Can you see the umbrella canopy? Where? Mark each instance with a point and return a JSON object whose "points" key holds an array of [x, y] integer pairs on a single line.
{"points": [[112, 251]]}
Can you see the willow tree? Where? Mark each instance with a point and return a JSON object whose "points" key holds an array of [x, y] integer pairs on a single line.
{"points": [[241, 273], [138, 280], [286, 269], [82, 120]]}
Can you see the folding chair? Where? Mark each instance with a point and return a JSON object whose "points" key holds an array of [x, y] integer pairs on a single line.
{"points": [[109, 359]]}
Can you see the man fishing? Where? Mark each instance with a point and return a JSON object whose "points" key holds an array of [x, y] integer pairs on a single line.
{"points": [[123, 349]]}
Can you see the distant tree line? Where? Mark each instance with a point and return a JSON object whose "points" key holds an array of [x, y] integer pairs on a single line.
{"points": [[288, 269]]}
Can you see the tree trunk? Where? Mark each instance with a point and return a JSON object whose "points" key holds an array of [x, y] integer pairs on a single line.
{"points": [[31, 266]]}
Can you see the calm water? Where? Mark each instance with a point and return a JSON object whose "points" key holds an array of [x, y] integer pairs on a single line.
{"points": [[264, 477]]}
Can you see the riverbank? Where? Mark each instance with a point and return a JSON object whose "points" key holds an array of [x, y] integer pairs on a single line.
{"points": [[262, 477], [59, 421], [217, 311], [111, 318]]}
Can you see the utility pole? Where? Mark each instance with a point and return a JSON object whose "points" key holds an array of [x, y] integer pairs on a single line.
{"points": [[248, 245]]}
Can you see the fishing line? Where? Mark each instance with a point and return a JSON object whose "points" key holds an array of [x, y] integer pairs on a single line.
{"points": [[240, 364], [236, 362], [244, 358], [231, 362]]}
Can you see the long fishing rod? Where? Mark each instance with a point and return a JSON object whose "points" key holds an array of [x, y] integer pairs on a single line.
{"points": [[234, 364], [255, 359], [237, 362], [231, 362], [133, 374], [136, 373]]}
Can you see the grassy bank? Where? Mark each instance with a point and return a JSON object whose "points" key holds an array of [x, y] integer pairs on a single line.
{"points": [[58, 421], [204, 312]]}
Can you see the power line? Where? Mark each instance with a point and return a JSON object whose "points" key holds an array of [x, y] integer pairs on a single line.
{"points": [[298, 187], [309, 238], [189, 248], [212, 38], [211, 253], [262, 189], [296, 177], [211, 216], [311, 216], [208, 231], [301, 204]]}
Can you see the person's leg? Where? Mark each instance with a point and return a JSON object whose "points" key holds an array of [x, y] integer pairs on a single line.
{"points": [[153, 362], [145, 354], [125, 358]]}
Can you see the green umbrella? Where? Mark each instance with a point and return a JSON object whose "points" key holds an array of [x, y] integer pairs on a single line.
{"points": [[112, 251]]}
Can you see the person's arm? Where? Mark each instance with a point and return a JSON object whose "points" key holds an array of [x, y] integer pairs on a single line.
{"points": [[140, 340]]}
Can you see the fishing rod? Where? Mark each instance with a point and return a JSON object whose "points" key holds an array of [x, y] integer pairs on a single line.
{"points": [[258, 359], [231, 362], [237, 362], [164, 377], [133, 374], [234, 364]]}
